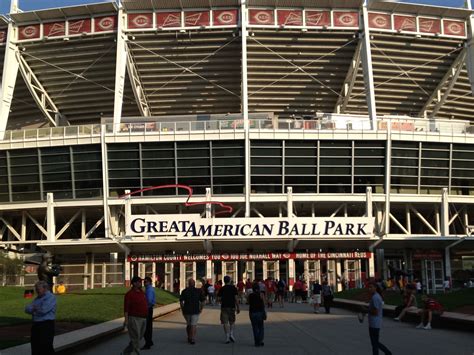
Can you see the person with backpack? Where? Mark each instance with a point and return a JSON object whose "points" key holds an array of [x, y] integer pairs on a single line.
{"points": [[430, 305], [327, 296], [316, 291], [281, 287]]}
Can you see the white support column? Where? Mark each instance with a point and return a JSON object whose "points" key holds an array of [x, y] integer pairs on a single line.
{"points": [[209, 270], [126, 272], [208, 205], [23, 226], [92, 270], [367, 65], [182, 276], [105, 184], [50, 219], [291, 274], [338, 275], [10, 73], [86, 273], [388, 173], [120, 68], [444, 213], [245, 103], [289, 207], [104, 275], [83, 224], [137, 86], [369, 212], [349, 82], [153, 273]]}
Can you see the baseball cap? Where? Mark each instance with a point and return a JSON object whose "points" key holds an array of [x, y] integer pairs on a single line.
{"points": [[136, 279]]}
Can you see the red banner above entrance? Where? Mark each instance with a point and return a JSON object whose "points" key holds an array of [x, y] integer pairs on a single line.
{"points": [[246, 256]]}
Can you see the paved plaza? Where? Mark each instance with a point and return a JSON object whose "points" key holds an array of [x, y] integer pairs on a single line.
{"points": [[294, 330]]}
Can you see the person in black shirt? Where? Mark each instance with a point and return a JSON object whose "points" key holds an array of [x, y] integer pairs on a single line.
{"points": [[192, 302], [316, 291], [228, 296], [257, 314]]}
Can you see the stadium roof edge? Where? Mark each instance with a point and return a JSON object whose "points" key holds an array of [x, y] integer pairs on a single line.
{"points": [[134, 5], [346, 4], [65, 12], [420, 9], [3, 21]]}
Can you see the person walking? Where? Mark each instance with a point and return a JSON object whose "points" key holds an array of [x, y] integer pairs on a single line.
{"points": [[281, 288], [150, 299], [192, 302], [43, 311], [257, 314], [316, 291], [228, 296], [327, 296], [135, 311], [375, 319]]}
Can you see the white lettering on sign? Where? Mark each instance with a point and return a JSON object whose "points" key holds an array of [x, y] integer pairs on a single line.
{"points": [[193, 226]]}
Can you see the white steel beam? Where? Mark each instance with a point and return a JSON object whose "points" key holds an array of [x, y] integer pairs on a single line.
{"points": [[349, 82], [94, 227], [392, 217], [37, 224], [10, 228], [369, 208], [423, 219], [245, 103], [137, 85], [367, 65], [45, 103], [105, 183], [120, 69], [444, 213], [10, 73], [470, 52], [68, 224], [449, 79]]}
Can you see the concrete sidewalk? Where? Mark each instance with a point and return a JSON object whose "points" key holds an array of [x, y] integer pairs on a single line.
{"points": [[294, 330]]}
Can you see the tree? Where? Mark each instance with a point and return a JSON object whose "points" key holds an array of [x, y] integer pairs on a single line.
{"points": [[10, 268]]}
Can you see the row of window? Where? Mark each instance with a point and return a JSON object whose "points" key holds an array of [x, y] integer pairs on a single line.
{"points": [[307, 166]]}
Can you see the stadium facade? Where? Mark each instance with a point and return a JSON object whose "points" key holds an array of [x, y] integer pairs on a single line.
{"points": [[298, 138]]}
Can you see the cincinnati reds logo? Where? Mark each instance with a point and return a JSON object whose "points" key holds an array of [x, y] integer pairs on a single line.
{"points": [[106, 24], [133, 258], [30, 31], [455, 28], [347, 19], [141, 21], [380, 21], [225, 256], [226, 17], [286, 255], [263, 17]]}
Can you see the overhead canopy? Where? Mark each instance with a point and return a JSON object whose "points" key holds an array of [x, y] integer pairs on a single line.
{"points": [[341, 4], [64, 12], [136, 5], [420, 9]]}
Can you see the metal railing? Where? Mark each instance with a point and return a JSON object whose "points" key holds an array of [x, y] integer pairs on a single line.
{"points": [[328, 123]]}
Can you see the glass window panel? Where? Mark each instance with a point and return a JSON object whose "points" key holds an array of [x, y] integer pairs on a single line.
{"points": [[57, 177], [229, 171], [158, 154], [123, 155], [21, 170], [87, 175], [300, 161], [463, 155], [333, 170], [25, 179], [405, 171], [54, 159], [412, 153], [335, 144], [194, 171], [231, 180], [28, 196], [374, 152], [267, 170], [369, 171], [93, 165], [57, 186], [121, 147], [125, 173], [404, 180], [158, 172], [264, 152], [22, 161], [124, 164], [404, 162], [434, 172], [300, 180], [463, 164], [266, 161], [300, 152], [87, 157], [369, 161], [335, 161], [228, 162], [434, 181], [435, 163], [132, 184], [229, 152], [334, 180], [335, 152], [197, 162], [300, 171], [435, 154]]}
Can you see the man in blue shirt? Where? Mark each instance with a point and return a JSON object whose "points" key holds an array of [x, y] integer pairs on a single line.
{"points": [[150, 298], [43, 310], [375, 319]]}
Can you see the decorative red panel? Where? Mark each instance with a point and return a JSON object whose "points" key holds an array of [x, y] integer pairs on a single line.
{"points": [[3, 36], [168, 19], [261, 17], [290, 17], [76, 27], [196, 18], [382, 21], [405, 23], [29, 32], [318, 18], [137, 21], [54, 29], [346, 19], [454, 28], [104, 24], [225, 17], [429, 25]]}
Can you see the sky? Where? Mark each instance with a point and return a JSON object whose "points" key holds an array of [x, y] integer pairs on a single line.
{"points": [[44, 4]]}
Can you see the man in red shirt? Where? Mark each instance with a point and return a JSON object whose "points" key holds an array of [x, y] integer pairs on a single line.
{"points": [[135, 312]]}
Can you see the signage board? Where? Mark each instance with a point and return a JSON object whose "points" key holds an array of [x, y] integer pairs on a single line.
{"points": [[193, 226], [139, 21], [246, 256]]}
